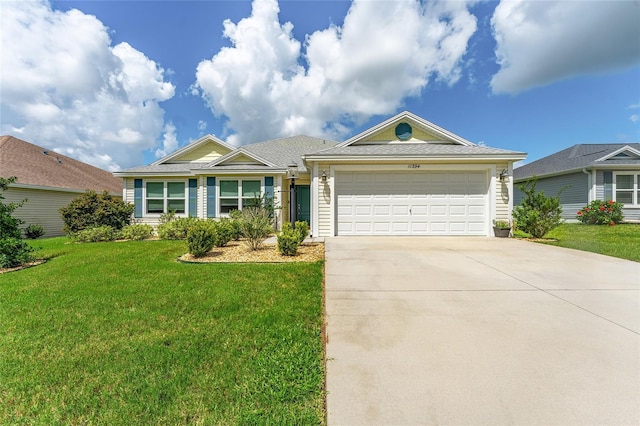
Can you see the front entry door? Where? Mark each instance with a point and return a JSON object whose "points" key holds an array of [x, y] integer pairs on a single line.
{"points": [[303, 199]]}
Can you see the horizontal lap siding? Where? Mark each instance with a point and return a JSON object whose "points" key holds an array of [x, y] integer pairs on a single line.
{"points": [[324, 203], [574, 197], [43, 207], [503, 197]]}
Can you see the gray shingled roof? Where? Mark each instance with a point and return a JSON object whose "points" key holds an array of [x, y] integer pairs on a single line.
{"points": [[574, 158], [285, 150], [410, 149], [34, 165]]}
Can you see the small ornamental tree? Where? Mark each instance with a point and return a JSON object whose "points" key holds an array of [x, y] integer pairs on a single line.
{"points": [[91, 210], [601, 213], [14, 251], [538, 214]]}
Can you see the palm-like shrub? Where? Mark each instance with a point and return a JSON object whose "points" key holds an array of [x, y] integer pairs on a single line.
{"points": [[538, 214]]}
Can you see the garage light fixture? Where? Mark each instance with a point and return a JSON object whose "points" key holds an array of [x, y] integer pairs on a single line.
{"points": [[504, 175], [323, 176]]}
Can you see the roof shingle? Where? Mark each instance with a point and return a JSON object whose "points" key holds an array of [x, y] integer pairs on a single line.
{"points": [[34, 165]]}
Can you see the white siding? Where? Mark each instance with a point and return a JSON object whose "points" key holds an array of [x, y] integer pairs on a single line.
{"points": [[43, 207]]}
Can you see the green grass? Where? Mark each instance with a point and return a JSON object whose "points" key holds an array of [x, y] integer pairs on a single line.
{"points": [[121, 333], [621, 241]]}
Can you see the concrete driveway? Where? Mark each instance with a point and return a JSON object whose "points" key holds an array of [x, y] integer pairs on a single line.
{"points": [[429, 330]]}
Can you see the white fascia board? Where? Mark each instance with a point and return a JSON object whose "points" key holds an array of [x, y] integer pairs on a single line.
{"points": [[215, 172], [431, 127], [492, 157], [193, 145], [53, 188], [153, 174], [618, 151]]}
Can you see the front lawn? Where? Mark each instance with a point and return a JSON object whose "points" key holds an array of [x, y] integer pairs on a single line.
{"points": [[121, 333], [621, 240]]}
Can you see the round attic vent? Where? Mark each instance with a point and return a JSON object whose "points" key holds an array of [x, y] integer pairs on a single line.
{"points": [[403, 131]]}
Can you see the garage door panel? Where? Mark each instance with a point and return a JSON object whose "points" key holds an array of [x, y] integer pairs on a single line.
{"points": [[418, 203]]}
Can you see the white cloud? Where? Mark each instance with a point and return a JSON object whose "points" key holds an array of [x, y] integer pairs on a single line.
{"points": [[385, 52], [65, 87], [169, 141], [540, 42], [634, 118], [202, 125]]}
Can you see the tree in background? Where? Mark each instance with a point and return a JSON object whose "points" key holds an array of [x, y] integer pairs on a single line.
{"points": [[14, 251]]}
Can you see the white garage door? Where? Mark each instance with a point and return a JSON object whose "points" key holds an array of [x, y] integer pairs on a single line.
{"points": [[412, 203]]}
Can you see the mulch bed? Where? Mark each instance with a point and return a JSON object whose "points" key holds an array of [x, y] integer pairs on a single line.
{"points": [[239, 252]]}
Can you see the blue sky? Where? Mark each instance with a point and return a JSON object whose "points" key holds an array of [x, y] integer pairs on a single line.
{"points": [[119, 83]]}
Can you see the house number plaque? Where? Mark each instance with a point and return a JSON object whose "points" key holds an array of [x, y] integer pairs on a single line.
{"points": [[414, 166]]}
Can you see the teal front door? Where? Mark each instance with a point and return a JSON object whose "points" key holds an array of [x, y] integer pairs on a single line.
{"points": [[303, 198]]}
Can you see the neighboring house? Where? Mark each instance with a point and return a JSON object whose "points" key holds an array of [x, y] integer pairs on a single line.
{"points": [[49, 181], [588, 172], [405, 176]]}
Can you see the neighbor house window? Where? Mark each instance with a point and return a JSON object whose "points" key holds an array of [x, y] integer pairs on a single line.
{"points": [[162, 197], [627, 188], [234, 194]]}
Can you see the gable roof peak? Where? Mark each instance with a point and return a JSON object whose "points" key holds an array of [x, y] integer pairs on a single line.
{"points": [[193, 145], [417, 121]]}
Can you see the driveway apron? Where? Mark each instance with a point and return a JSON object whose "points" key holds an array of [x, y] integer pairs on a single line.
{"points": [[431, 330]]}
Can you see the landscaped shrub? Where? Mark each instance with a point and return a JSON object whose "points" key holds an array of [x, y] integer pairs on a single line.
{"points": [[9, 225], [601, 213], [302, 229], [91, 209], [33, 231], [201, 237], [14, 252], [288, 240], [256, 226], [235, 220], [137, 232], [223, 232], [176, 229], [96, 234], [538, 214]]}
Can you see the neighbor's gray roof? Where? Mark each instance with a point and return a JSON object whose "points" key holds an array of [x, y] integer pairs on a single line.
{"points": [[574, 158], [410, 149]]}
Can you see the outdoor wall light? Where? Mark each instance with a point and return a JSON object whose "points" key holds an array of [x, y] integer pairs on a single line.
{"points": [[323, 176], [504, 175]]}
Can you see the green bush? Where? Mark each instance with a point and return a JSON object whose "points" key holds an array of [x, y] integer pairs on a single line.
{"points": [[201, 237], [302, 230], [176, 229], [33, 231], [91, 210], [601, 213], [223, 232], [538, 214], [96, 234], [9, 225], [235, 220], [137, 232], [256, 226], [288, 240], [14, 252]]}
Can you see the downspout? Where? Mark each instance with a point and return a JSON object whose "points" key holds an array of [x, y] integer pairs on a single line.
{"points": [[589, 184]]}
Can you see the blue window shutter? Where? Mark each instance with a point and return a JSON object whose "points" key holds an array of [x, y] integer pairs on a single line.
{"points": [[608, 185], [137, 198], [211, 197], [193, 197], [268, 187]]}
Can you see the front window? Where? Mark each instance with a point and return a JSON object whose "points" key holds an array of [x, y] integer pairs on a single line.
{"points": [[627, 188], [234, 194], [162, 197]]}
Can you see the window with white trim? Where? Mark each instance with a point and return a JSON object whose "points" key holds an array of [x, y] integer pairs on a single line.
{"points": [[162, 197], [627, 188], [236, 193]]}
